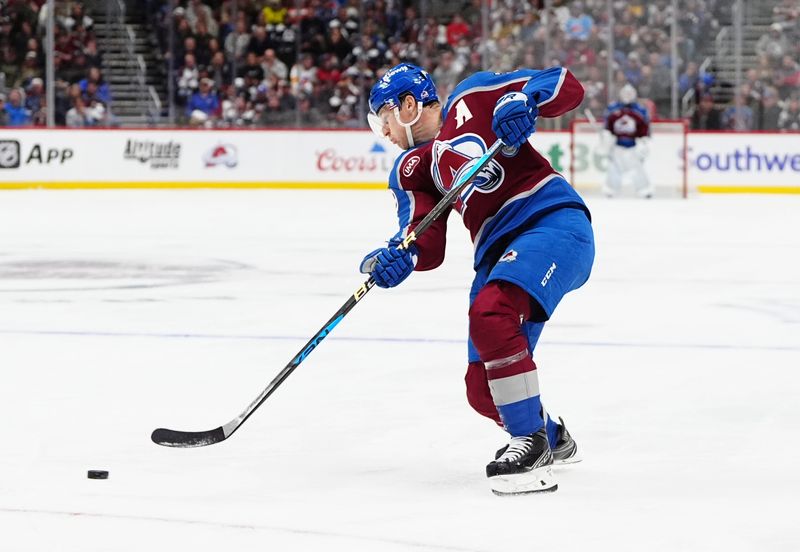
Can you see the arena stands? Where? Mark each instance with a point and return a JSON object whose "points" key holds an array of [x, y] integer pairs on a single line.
{"points": [[82, 98], [272, 63]]}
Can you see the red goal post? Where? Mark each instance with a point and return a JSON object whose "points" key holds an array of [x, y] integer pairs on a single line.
{"points": [[665, 163]]}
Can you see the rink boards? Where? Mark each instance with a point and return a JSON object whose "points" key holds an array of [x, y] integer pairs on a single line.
{"points": [[356, 159]]}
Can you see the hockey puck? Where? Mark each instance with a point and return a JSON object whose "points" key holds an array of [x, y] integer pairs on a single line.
{"points": [[97, 474]]}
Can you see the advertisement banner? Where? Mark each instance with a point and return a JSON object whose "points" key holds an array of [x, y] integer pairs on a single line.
{"points": [[743, 162], [121, 158], [174, 158]]}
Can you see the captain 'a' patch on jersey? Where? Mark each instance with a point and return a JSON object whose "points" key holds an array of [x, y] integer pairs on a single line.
{"points": [[452, 158], [463, 114]]}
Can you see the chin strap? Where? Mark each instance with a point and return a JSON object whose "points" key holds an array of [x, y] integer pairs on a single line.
{"points": [[408, 126]]}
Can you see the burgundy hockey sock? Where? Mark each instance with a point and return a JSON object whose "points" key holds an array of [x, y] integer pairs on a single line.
{"points": [[478, 394], [496, 317]]}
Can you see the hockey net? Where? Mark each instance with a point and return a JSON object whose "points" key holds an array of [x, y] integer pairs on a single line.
{"points": [[665, 162]]}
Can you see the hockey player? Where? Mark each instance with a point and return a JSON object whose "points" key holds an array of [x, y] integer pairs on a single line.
{"points": [[627, 125], [531, 232]]}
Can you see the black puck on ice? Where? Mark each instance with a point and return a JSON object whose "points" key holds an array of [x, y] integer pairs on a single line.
{"points": [[97, 474]]}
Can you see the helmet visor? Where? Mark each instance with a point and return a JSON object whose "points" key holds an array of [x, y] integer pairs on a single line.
{"points": [[376, 124]]}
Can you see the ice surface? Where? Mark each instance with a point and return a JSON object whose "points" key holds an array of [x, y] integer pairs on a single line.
{"points": [[676, 368]]}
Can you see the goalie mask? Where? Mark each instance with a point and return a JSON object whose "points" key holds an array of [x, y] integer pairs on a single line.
{"points": [[400, 81], [627, 94]]}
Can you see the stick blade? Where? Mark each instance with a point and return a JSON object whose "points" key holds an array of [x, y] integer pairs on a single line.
{"points": [[187, 439]]}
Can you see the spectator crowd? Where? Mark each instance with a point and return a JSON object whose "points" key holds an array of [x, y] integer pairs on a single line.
{"points": [[270, 63], [239, 63], [769, 97], [82, 97]]}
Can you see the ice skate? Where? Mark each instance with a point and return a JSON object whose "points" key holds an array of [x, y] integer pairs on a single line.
{"points": [[608, 191], [565, 451], [526, 466]]}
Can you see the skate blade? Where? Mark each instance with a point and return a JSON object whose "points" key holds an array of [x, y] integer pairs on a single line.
{"points": [[540, 480], [552, 489]]}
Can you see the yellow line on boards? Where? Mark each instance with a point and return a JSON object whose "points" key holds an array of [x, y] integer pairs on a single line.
{"points": [[749, 189], [51, 185], [88, 185]]}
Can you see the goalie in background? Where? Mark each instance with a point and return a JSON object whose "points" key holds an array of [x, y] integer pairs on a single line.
{"points": [[627, 131]]}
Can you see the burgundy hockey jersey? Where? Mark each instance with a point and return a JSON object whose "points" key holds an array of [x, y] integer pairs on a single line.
{"points": [[627, 122], [512, 190]]}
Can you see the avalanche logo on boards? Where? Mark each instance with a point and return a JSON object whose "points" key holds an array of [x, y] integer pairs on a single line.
{"points": [[221, 154], [453, 158]]}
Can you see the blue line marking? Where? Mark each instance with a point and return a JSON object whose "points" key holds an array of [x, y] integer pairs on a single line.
{"points": [[416, 340]]}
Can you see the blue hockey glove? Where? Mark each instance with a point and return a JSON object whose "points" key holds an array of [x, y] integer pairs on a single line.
{"points": [[388, 265], [514, 118]]}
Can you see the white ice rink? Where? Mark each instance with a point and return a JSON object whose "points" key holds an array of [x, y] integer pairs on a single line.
{"points": [[677, 369]]}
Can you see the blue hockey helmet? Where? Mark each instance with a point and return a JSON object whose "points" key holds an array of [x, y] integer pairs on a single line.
{"points": [[399, 81]]}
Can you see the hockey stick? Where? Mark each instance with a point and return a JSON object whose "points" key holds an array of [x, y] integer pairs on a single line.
{"points": [[594, 122], [601, 135], [173, 438]]}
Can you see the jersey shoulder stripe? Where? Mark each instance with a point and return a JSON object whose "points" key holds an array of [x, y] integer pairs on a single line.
{"points": [[405, 199], [641, 110], [549, 81], [616, 106], [484, 81]]}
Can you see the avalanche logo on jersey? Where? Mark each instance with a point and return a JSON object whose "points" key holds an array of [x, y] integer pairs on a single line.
{"points": [[452, 158], [625, 126]]}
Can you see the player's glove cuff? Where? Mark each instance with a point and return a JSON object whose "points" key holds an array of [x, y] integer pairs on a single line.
{"points": [[514, 118], [389, 266]]}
